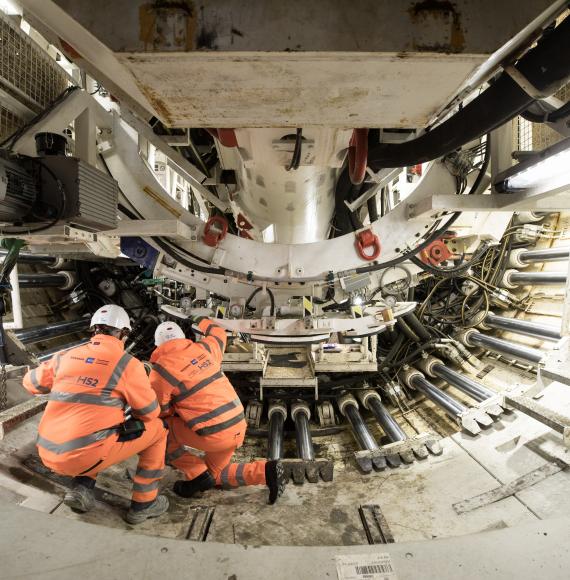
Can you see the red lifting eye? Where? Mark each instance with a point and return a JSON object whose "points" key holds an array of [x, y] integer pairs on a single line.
{"points": [[367, 245], [215, 230]]}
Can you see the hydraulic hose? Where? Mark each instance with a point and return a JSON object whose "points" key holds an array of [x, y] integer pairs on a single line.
{"points": [[271, 299], [406, 330], [546, 66], [415, 324]]}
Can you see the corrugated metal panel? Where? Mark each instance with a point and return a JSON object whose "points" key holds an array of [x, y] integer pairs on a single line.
{"points": [[98, 196]]}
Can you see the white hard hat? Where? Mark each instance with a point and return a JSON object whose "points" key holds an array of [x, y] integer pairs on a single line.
{"points": [[167, 331], [111, 315]]}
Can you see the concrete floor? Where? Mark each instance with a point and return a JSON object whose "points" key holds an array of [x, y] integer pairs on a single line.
{"points": [[417, 500]]}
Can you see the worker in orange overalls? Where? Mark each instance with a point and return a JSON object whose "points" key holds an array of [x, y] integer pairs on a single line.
{"points": [[83, 430], [204, 414]]}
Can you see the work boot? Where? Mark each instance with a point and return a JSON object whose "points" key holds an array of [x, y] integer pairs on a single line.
{"points": [[158, 507], [203, 482], [275, 479], [80, 498]]}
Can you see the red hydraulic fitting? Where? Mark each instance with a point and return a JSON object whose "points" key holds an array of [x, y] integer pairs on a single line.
{"points": [[227, 137], [215, 230], [243, 223], [367, 239], [358, 155], [436, 253]]}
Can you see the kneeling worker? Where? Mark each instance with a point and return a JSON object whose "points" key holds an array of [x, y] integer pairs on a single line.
{"points": [[204, 413], [83, 429]]}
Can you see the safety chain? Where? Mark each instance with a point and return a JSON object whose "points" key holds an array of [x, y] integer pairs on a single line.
{"points": [[3, 387]]}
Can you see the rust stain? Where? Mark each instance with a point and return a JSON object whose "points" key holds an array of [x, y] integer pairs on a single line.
{"points": [[168, 25], [68, 50], [440, 12], [151, 193], [158, 105]]}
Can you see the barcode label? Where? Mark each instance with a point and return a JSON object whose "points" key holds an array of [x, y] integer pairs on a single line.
{"points": [[365, 567], [374, 569]]}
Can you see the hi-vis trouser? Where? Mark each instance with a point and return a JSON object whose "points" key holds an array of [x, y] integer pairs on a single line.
{"points": [[150, 447], [219, 449], [89, 389]]}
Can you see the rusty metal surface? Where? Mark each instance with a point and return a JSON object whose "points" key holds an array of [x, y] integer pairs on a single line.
{"points": [[12, 417], [461, 26], [208, 89], [264, 63]]}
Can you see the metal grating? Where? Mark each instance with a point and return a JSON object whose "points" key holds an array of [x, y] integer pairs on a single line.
{"points": [[26, 67], [9, 123], [544, 136], [524, 131], [537, 136], [27, 73]]}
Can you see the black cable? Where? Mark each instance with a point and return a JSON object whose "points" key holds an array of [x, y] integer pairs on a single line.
{"points": [[411, 356], [454, 270], [484, 166], [15, 136], [414, 323], [406, 255], [546, 66], [438, 232], [296, 158], [167, 246], [406, 330], [546, 117], [60, 213], [271, 299]]}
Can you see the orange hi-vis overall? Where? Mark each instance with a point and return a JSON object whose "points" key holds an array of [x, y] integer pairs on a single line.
{"points": [[89, 389], [202, 409]]}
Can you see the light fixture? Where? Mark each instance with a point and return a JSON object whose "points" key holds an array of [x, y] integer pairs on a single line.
{"points": [[546, 170], [10, 8], [357, 300]]}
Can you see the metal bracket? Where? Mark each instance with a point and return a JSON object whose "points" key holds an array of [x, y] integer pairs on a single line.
{"points": [[301, 469], [556, 421], [472, 420], [325, 413], [524, 83], [492, 406], [394, 454], [253, 413]]}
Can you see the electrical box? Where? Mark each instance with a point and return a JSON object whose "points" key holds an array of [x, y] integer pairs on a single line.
{"points": [[91, 195]]}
